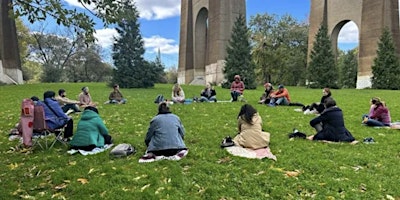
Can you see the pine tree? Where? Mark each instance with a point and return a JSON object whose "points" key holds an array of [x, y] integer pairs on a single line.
{"points": [[386, 67], [238, 60], [322, 70], [132, 71], [348, 69]]}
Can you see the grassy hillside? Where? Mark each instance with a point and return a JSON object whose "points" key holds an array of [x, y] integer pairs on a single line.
{"points": [[327, 171]]}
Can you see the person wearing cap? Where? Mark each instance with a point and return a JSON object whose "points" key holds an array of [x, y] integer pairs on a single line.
{"points": [[266, 96], [280, 97], [66, 103], [91, 131], [164, 136], [116, 96], [237, 88], [85, 99]]}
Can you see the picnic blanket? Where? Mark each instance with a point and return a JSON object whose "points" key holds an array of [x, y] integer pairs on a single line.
{"points": [[250, 153], [94, 151], [149, 157]]}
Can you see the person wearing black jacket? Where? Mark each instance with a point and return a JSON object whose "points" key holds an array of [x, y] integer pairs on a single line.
{"points": [[330, 124], [208, 94]]}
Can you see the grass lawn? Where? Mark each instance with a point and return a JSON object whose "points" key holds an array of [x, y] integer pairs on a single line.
{"points": [[327, 171]]}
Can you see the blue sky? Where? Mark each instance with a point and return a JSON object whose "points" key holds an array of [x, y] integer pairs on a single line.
{"points": [[159, 20]]}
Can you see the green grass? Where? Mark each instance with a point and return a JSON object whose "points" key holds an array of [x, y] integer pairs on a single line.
{"points": [[327, 171]]}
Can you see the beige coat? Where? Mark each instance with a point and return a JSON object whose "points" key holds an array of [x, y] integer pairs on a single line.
{"points": [[251, 135]]}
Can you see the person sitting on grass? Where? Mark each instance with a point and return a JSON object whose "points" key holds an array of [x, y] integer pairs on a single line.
{"points": [[266, 96], [85, 99], [280, 97], [208, 94], [318, 108], [91, 131], [66, 103], [116, 96], [178, 95], [330, 125], [164, 136], [250, 134], [379, 114], [237, 88]]}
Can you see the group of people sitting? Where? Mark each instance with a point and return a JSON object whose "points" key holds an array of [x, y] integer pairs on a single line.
{"points": [[91, 131]]}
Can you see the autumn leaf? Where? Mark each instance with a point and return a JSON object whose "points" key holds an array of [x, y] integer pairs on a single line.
{"points": [[292, 173], [72, 163], [91, 170], [61, 186], [82, 180], [12, 166], [144, 187]]}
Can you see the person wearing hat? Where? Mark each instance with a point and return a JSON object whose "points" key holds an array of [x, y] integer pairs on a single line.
{"points": [[280, 97], [91, 131], [237, 88], [116, 96], [266, 96], [85, 99]]}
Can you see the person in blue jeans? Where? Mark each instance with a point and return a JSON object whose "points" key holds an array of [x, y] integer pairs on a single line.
{"points": [[280, 97], [379, 114], [208, 94]]}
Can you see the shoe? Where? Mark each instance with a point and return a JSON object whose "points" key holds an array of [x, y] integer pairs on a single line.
{"points": [[227, 142], [148, 157], [271, 105], [295, 130], [369, 140]]}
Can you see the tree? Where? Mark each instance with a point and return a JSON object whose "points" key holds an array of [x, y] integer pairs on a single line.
{"points": [[238, 60], [38, 10], [322, 70], [348, 65], [386, 67], [279, 48], [131, 71]]}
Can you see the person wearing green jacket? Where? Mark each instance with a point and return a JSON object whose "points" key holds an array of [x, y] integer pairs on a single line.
{"points": [[91, 131]]}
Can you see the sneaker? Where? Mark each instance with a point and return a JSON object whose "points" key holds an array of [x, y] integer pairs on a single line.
{"points": [[227, 142], [271, 105], [369, 140], [148, 157]]}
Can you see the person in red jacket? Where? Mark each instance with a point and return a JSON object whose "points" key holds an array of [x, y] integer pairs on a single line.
{"points": [[280, 97], [237, 88]]}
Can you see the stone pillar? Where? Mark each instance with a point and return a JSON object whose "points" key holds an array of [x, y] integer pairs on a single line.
{"points": [[9, 53], [205, 32]]}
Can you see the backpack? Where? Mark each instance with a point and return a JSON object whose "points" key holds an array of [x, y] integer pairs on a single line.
{"points": [[122, 150], [159, 98]]}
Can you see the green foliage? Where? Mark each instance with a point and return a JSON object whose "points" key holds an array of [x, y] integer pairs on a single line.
{"points": [[238, 60], [38, 10], [348, 67], [279, 49], [68, 59], [386, 67], [132, 71], [322, 70], [327, 171]]}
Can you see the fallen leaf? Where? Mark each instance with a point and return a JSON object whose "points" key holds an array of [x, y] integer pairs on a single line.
{"points": [[389, 197], [224, 160], [292, 173], [72, 163], [58, 196], [12, 166], [91, 170], [83, 180], [61, 186], [144, 187]]}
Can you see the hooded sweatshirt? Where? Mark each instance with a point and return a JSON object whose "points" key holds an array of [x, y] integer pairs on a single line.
{"points": [[90, 130]]}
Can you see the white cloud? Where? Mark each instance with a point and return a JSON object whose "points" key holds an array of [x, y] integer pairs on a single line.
{"points": [[166, 46], [148, 9], [349, 33], [105, 37]]}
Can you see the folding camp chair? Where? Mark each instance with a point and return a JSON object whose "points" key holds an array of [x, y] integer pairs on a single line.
{"points": [[42, 135]]}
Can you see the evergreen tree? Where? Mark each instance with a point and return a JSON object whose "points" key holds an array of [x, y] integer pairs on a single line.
{"points": [[238, 60], [386, 68], [348, 65], [322, 70], [131, 70], [158, 69]]}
